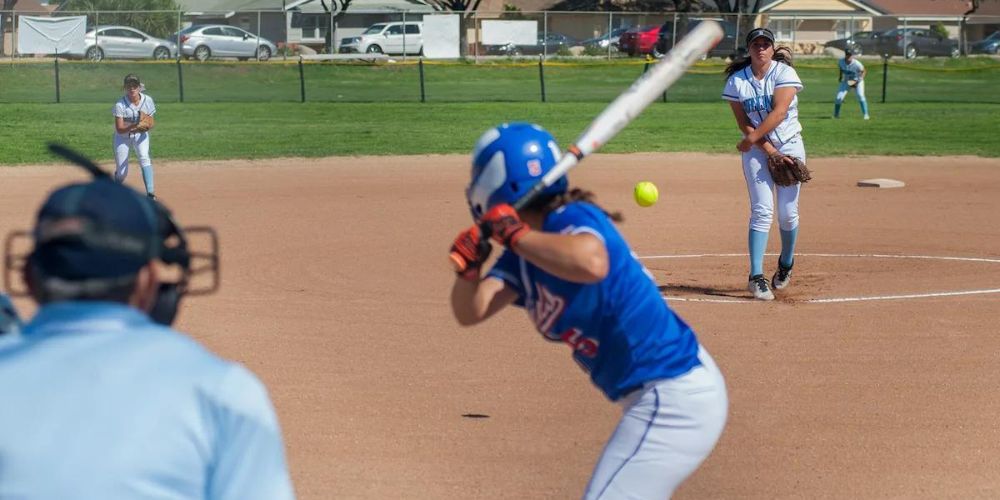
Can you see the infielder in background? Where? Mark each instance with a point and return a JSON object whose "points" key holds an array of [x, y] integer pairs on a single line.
{"points": [[762, 93], [566, 264], [101, 398], [132, 132], [852, 76]]}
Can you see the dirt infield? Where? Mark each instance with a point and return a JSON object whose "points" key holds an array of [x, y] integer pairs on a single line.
{"points": [[873, 376]]}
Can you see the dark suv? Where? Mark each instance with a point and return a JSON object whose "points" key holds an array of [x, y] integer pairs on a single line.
{"points": [[727, 47], [861, 43], [911, 42]]}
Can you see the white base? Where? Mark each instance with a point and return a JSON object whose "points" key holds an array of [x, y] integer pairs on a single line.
{"points": [[881, 183]]}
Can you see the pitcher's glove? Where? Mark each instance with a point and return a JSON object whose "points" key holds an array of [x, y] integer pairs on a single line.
{"points": [[787, 170], [145, 123], [852, 83]]}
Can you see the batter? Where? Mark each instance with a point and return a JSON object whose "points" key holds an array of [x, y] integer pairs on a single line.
{"points": [[569, 268]]}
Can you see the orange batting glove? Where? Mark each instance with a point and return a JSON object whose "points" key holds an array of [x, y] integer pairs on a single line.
{"points": [[468, 253], [506, 226]]}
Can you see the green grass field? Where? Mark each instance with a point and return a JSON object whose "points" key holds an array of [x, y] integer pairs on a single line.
{"points": [[249, 110]]}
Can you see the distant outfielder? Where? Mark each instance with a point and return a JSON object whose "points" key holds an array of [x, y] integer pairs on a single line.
{"points": [[133, 120], [852, 76]]}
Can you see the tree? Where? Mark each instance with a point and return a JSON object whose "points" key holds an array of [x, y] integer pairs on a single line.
{"points": [[335, 9], [736, 10], [466, 8], [159, 24], [963, 33]]}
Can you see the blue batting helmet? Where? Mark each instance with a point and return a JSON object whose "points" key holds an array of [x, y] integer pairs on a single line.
{"points": [[507, 161]]}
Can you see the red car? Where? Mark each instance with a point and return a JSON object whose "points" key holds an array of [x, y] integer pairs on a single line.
{"points": [[639, 40]]}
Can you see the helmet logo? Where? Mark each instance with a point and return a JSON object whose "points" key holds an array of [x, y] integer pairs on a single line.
{"points": [[534, 168]]}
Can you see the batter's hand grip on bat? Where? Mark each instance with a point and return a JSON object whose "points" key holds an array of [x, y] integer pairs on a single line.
{"points": [[475, 241]]}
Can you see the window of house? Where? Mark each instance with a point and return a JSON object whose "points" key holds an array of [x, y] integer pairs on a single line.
{"points": [[782, 28], [844, 28], [315, 25]]}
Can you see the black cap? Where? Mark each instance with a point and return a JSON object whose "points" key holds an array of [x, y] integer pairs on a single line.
{"points": [[132, 80], [848, 52], [99, 229], [759, 32]]}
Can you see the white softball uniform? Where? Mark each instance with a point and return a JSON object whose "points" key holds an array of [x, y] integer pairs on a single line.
{"points": [[756, 96], [851, 71], [139, 142], [667, 429]]}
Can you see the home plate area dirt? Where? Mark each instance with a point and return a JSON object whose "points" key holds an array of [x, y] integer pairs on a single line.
{"points": [[874, 375]]}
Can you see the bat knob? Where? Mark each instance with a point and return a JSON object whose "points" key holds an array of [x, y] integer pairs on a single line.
{"points": [[457, 262]]}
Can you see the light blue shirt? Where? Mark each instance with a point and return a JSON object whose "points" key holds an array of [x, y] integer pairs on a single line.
{"points": [[99, 402]]}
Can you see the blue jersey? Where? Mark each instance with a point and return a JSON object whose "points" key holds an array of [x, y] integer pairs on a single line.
{"points": [[619, 329], [99, 402]]}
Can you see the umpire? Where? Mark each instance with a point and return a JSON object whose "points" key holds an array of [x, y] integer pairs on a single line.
{"points": [[99, 397]]}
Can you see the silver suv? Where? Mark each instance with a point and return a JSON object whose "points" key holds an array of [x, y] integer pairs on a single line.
{"points": [[123, 42], [219, 40], [387, 38]]}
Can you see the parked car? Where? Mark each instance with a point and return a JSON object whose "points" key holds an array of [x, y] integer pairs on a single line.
{"points": [[860, 43], [639, 40], [124, 42], [988, 45], [602, 41], [548, 43], [728, 46], [911, 42], [387, 38], [203, 41]]}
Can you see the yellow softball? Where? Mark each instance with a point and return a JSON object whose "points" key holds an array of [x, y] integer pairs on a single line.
{"points": [[646, 194]]}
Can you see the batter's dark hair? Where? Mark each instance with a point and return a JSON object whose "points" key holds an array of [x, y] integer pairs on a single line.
{"points": [[549, 203], [782, 54]]}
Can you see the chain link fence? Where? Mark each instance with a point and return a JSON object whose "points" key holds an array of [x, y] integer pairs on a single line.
{"points": [[362, 56]]}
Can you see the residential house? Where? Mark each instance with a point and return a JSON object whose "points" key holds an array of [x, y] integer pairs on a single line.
{"points": [[808, 24], [309, 21]]}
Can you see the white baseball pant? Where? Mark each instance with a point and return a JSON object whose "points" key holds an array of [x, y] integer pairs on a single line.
{"points": [[760, 185], [140, 143], [667, 430]]}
